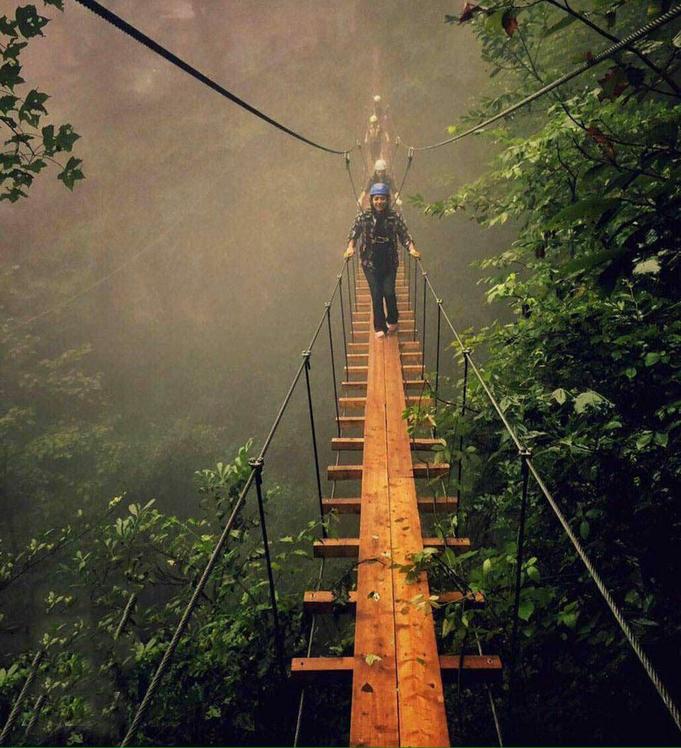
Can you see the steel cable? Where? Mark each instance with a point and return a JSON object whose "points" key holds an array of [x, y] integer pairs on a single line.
{"points": [[635, 36], [217, 550], [652, 674], [154, 46]]}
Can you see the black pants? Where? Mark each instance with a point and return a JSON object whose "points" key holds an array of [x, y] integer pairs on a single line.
{"points": [[382, 286]]}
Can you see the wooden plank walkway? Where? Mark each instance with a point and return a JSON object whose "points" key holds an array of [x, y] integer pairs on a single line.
{"points": [[397, 693], [397, 700]]}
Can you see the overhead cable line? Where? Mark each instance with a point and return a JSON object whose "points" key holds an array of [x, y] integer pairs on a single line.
{"points": [[636, 36], [154, 46]]}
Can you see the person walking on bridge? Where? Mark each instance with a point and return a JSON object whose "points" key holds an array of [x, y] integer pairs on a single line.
{"points": [[377, 230], [380, 175]]}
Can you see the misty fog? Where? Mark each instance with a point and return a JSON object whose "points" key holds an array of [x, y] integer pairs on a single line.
{"points": [[220, 237]]}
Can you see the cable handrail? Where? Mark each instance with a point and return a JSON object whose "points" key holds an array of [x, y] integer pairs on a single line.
{"points": [[611, 51], [526, 457], [256, 467]]}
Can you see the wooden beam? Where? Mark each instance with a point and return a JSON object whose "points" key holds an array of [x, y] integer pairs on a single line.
{"points": [[476, 668], [324, 601], [349, 547], [427, 470], [353, 505], [374, 719], [352, 402], [352, 443]]}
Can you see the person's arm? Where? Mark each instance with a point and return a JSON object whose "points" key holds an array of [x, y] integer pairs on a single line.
{"points": [[405, 237], [352, 237]]}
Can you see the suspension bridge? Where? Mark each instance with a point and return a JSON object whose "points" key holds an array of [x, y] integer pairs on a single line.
{"points": [[396, 674]]}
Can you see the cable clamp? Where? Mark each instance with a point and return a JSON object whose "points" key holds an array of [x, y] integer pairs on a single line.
{"points": [[525, 453], [306, 354], [467, 351], [327, 305], [256, 463]]}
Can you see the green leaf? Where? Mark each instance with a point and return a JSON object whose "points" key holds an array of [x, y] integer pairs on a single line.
{"points": [[71, 173], [65, 138], [652, 358], [7, 103], [589, 209], [371, 659], [525, 610], [584, 529], [447, 626], [661, 438], [29, 21], [644, 439], [562, 24], [588, 399], [533, 573], [9, 74], [559, 395], [494, 23], [486, 566]]}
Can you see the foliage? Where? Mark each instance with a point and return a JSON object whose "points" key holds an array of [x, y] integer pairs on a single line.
{"points": [[31, 144], [114, 606], [587, 371]]}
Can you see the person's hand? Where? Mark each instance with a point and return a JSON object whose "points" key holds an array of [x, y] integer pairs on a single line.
{"points": [[349, 252], [414, 252]]}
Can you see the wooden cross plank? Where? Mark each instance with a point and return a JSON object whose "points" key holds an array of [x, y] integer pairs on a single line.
{"points": [[426, 504]]}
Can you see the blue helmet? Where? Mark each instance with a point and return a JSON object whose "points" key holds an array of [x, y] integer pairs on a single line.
{"points": [[379, 189]]}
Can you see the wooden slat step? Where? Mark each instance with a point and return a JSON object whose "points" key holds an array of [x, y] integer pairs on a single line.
{"points": [[411, 356], [362, 336], [354, 472], [351, 420], [402, 306], [411, 368], [365, 298], [352, 402], [357, 357], [354, 505], [410, 345], [359, 384], [399, 284], [322, 601], [418, 444], [431, 470], [362, 325], [364, 315], [349, 547], [476, 668], [424, 402]]}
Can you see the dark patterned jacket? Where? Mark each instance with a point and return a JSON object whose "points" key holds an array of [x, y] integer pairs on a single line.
{"points": [[363, 231]]}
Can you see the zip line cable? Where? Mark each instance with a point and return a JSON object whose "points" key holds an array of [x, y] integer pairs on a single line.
{"points": [[154, 46], [635, 36]]}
